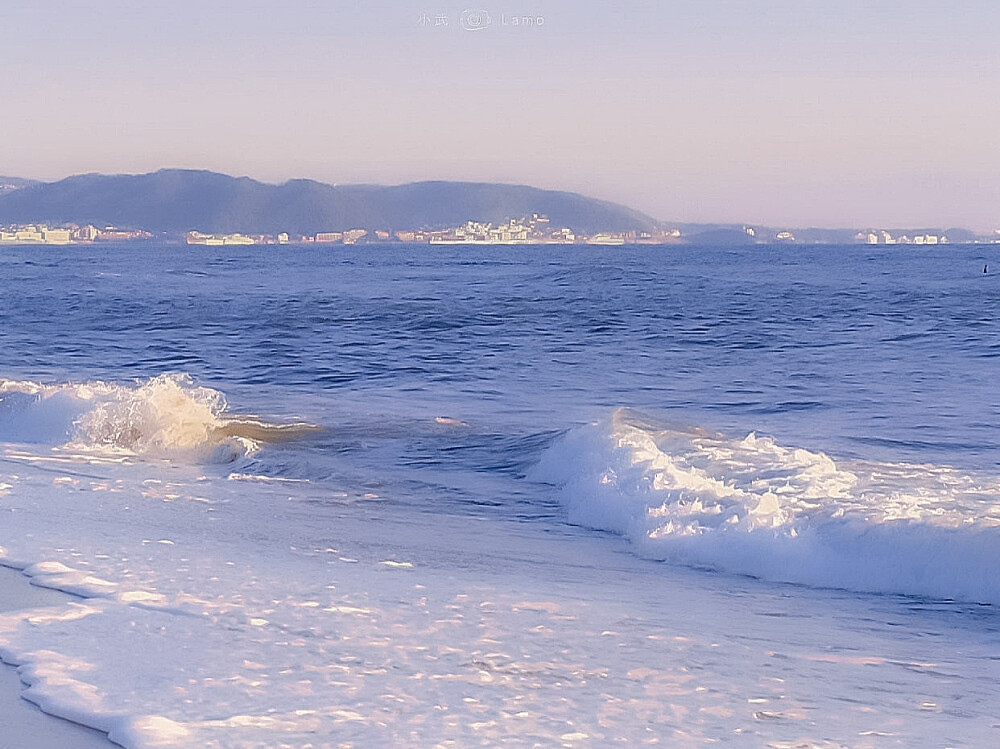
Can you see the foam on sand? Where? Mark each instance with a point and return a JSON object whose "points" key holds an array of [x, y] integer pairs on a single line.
{"points": [[24, 724], [241, 613], [752, 506]]}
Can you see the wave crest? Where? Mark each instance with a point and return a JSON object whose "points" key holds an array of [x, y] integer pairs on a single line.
{"points": [[752, 506], [165, 416]]}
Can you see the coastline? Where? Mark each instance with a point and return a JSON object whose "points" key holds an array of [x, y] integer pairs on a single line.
{"points": [[24, 723]]}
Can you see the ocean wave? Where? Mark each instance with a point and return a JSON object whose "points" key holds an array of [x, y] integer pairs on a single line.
{"points": [[167, 416], [752, 506]]}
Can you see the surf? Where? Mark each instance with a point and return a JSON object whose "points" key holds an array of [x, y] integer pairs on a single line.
{"points": [[753, 506], [166, 416]]}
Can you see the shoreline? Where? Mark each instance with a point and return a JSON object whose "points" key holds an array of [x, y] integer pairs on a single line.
{"points": [[24, 723]]}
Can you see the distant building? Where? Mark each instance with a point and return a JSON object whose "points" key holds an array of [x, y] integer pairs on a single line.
{"points": [[55, 236], [216, 240], [114, 234], [28, 234], [606, 238], [785, 236], [329, 236], [353, 235], [36, 234], [381, 235], [87, 233], [511, 232]]}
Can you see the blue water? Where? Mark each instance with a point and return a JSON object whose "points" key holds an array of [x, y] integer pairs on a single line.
{"points": [[889, 354]]}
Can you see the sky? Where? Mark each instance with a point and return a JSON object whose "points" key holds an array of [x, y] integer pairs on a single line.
{"points": [[800, 113]]}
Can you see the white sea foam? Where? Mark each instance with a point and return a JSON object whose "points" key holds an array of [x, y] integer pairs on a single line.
{"points": [[238, 612], [165, 416], [752, 506]]}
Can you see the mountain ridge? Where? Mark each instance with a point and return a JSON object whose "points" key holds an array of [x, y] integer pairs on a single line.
{"points": [[179, 200]]}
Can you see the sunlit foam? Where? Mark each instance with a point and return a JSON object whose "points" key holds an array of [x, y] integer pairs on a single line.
{"points": [[755, 507], [165, 416]]}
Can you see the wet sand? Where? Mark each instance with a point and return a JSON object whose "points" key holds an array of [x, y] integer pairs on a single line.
{"points": [[24, 725]]}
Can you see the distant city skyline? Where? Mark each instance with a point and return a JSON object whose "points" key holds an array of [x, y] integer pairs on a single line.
{"points": [[824, 113]]}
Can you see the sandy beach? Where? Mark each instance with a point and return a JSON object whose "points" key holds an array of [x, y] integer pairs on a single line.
{"points": [[23, 723]]}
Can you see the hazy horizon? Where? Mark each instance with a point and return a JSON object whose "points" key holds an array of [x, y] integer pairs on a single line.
{"points": [[835, 114]]}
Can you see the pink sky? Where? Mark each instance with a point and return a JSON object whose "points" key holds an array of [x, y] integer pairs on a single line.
{"points": [[798, 113]]}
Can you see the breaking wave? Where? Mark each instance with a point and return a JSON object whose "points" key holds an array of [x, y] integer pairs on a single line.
{"points": [[166, 416], [752, 506]]}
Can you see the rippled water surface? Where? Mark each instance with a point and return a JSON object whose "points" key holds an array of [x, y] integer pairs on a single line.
{"points": [[887, 353]]}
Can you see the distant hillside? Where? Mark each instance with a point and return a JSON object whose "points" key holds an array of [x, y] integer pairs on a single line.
{"points": [[721, 237], [14, 183], [176, 200]]}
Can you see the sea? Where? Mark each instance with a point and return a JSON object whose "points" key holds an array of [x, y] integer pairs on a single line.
{"points": [[404, 495]]}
